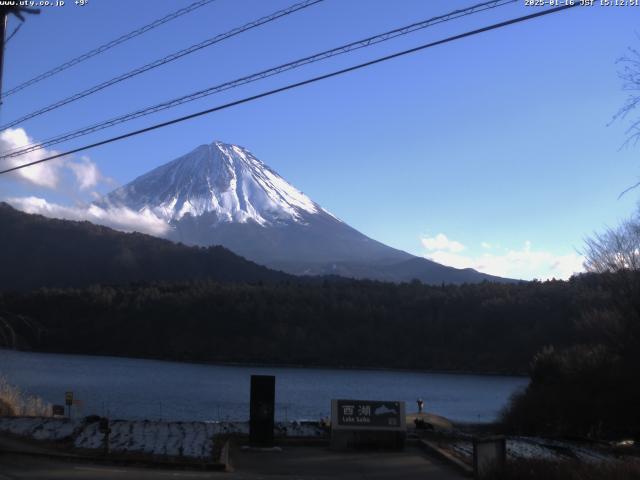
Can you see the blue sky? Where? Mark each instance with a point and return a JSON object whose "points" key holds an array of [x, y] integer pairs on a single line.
{"points": [[492, 152]]}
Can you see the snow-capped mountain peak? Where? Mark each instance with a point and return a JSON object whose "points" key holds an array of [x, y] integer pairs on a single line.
{"points": [[221, 179], [221, 194]]}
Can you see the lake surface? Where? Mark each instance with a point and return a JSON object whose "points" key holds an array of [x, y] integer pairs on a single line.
{"points": [[151, 389]]}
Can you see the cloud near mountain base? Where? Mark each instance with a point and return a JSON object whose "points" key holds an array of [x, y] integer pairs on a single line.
{"points": [[118, 218], [525, 263]]}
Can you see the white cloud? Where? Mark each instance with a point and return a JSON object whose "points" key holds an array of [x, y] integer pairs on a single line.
{"points": [[524, 263], [50, 174], [119, 218], [486, 245], [70, 176], [86, 173], [441, 242], [46, 174]]}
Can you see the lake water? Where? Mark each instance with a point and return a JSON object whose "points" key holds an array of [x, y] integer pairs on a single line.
{"points": [[139, 389]]}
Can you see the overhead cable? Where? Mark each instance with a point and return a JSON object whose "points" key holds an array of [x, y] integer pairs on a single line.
{"points": [[296, 85]]}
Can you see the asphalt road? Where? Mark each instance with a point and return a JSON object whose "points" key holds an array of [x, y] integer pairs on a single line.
{"points": [[304, 463], [14, 467]]}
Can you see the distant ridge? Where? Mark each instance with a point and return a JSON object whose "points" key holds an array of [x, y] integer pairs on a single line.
{"points": [[36, 251]]}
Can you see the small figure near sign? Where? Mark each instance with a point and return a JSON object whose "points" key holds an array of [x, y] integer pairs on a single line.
{"points": [[420, 403]]}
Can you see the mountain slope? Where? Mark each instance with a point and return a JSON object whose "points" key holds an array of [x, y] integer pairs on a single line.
{"points": [[221, 194], [414, 268], [36, 251], [224, 181]]}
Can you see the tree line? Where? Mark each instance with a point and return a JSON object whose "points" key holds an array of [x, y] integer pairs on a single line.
{"points": [[484, 327]]}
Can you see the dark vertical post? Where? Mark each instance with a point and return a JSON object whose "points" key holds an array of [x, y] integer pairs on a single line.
{"points": [[262, 408], [17, 11], [104, 428], [3, 28], [489, 456]]}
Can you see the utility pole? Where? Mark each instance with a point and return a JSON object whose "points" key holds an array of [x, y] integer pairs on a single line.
{"points": [[4, 17], [3, 32]]}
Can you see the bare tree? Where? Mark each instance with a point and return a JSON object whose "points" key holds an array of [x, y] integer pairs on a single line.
{"points": [[616, 249], [615, 254], [629, 73], [630, 76]]}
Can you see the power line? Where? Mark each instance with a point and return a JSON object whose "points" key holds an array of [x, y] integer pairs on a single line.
{"points": [[107, 46], [164, 60], [296, 85], [18, 151], [15, 30]]}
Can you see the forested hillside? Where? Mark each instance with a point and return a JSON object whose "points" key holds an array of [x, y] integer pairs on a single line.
{"points": [[42, 252], [483, 327]]}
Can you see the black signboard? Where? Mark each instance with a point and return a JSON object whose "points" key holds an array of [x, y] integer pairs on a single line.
{"points": [[369, 413], [263, 391], [57, 410]]}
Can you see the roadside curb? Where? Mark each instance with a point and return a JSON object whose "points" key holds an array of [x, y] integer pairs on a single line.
{"points": [[224, 457], [433, 448], [302, 442], [140, 462]]}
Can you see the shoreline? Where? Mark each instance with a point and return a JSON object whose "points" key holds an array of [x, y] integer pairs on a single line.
{"points": [[282, 365]]}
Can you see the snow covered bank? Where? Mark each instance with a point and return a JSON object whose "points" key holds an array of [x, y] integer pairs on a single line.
{"points": [[539, 449], [190, 440], [39, 428]]}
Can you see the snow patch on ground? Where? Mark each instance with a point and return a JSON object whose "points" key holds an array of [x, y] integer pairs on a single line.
{"points": [[540, 448], [194, 440], [89, 437], [51, 429], [527, 448]]}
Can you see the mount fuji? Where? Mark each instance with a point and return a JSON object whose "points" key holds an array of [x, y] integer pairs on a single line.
{"points": [[221, 194]]}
